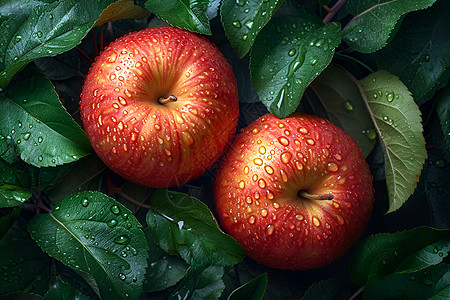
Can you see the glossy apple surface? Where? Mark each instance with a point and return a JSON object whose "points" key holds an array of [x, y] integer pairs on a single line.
{"points": [[159, 106], [269, 184]]}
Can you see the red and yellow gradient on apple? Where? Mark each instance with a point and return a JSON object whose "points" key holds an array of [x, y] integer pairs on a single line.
{"points": [[159, 106], [296, 193]]}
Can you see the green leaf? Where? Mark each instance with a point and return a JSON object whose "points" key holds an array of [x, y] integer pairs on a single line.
{"points": [[33, 29], [288, 54], [11, 195], [252, 290], [190, 15], [99, 238], [183, 225], [423, 61], [325, 289], [14, 174], [242, 21], [374, 21], [397, 120], [24, 267], [164, 270], [443, 111], [335, 95], [200, 283], [7, 221], [63, 290], [430, 283], [382, 254], [36, 125]]}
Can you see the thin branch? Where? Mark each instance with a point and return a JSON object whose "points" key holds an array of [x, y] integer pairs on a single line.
{"points": [[356, 294], [333, 10]]}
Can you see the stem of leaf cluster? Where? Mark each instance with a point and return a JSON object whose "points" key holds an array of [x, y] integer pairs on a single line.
{"points": [[356, 294], [333, 10]]}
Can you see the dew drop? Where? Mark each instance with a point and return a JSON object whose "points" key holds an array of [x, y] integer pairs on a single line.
{"points": [[299, 217], [18, 38], [40, 158], [262, 183], [246, 170], [298, 165], [251, 219], [316, 221], [258, 161], [283, 176], [85, 202], [122, 276], [270, 229], [40, 139], [283, 141], [348, 105], [112, 223], [292, 52], [122, 239], [240, 2], [26, 136], [286, 157], [249, 24], [303, 130], [269, 170], [310, 142], [187, 138], [115, 209], [262, 150], [241, 184], [332, 167]]}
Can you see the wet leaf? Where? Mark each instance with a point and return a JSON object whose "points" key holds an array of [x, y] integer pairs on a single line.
{"points": [[99, 238], [288, 54], [242, 20], [382, 254], [335, 95], [190, 15], [430, 283], [35, 125], [122, 9], [397, 120], [374, 21], [423, 62], [33, 29], [443, 111], [183, 225], [11, 195], [252, 290], [7, 221], [63, 290]]}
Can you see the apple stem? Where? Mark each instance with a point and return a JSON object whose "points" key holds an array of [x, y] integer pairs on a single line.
{"points": [[307, 195], [163, 100]]}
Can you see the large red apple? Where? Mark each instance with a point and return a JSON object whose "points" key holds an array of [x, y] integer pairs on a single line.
{"points": [[159, 106], [296, 193]]}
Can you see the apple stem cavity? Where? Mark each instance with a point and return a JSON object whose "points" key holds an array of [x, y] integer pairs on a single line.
{"points": [[169, 99], [307, 195]]}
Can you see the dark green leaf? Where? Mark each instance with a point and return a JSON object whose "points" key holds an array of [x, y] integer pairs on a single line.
{"points": [[63, 290], [200, 284], [33, 121], [420, 52], [33, 29], [397, 120], [14, 174], [288, 54], [190, 15], [252, 290], [99, 238], [7, 221], [81, 177], [324, 289], [443, 110], [11, 195], [183, 225], [335, 95], [24, 267], [164, 270], [242, 21], [374, 21], [424, 284], [380, 255]]}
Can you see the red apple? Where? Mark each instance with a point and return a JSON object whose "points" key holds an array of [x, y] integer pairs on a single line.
{"points": [[296, 193], [159, 106]]}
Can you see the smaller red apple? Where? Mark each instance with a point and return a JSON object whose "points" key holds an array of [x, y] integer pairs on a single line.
{"points": [[159, 106], [296, 193]]}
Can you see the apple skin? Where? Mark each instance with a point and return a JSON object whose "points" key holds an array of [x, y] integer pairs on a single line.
{"points": [[152, 142], [258, 183]]}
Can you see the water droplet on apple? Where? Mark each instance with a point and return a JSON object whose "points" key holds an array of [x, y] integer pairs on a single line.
{"points": [[283, 141], [332, 167], [269, 170], [310, 142], [258, 161], [262, 150], [270, 229], [299, 165], [262, 183], [286, 157], [264, 212], [316, 221], [246, 170], [340, 220], [187, 138], [241, 184], [251, 219], [303, 130], [338, 157], [283, 176]]}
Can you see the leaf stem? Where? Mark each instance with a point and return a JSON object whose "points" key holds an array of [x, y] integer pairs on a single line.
{"points": [[333, 10], [356, 294]]}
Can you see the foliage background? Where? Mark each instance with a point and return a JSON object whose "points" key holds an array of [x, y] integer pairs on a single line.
{"points": [[51, 183]]}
